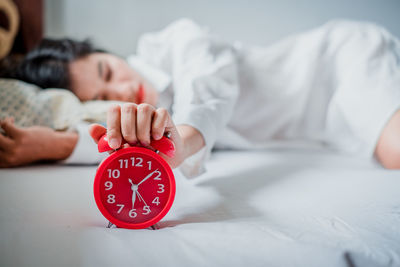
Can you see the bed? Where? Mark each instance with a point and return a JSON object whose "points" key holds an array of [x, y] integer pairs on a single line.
{"points": [[276, 207]]}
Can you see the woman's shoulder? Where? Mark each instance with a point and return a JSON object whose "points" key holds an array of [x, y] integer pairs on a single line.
{"points": [[183, 28]]}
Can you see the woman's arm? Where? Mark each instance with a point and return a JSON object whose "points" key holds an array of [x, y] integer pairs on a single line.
{"points": [[205, 83], [388, 147], [22, 146], [193, 140]]}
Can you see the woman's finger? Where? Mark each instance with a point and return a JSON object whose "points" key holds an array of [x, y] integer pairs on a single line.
{"points": [[96, 131], [143, 123], [5, 143], [114, 126], [9, 128], [3, 159], [160, 120], [128, 123]]}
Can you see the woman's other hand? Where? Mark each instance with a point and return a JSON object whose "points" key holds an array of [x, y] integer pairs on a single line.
{"points": [[21, 146], [137, 125]]}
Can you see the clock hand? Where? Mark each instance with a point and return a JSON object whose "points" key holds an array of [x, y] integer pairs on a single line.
{"points": [[134, 188], [147, 177], [140, 197], [133, 198]]}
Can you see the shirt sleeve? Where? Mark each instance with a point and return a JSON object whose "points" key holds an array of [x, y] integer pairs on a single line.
{"points": [[85, 151], [204, 78]]}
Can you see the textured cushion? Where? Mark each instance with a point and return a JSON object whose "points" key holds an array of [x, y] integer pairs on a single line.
{"points": [[56, 108]]}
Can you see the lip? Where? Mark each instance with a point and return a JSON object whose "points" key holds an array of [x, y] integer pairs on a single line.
{"points": [[140, 96]]}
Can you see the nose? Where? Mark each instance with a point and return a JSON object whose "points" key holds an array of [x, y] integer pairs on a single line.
{"points": [[123, 91]]}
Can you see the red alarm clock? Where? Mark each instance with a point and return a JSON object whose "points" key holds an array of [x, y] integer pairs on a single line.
{"points": [[134, 187]]}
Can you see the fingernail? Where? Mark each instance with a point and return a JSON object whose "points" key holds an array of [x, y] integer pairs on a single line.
{"points": [[114, 143], [133, 143], [144, 143], [157, 136]]}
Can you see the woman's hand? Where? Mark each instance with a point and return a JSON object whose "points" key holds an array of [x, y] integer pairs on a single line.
{"points": [[137, 125], [21, 146]]}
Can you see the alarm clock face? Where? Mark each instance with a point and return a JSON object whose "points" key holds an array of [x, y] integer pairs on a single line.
{"points": [[134, 188]]}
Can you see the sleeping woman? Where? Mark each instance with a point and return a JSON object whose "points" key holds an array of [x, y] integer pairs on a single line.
{"points": [[336, 86]]}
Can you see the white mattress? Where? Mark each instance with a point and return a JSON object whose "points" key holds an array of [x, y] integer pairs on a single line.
{"points": [[266, 208]]}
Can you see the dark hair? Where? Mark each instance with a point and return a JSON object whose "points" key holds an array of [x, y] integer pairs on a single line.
{"points": [[47, 64]]}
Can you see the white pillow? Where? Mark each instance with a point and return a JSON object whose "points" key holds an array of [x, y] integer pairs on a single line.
{"points": [[59, 109]]}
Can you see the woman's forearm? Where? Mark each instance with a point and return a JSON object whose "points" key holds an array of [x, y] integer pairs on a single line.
{"points": [[26, 145], [61, 146], [193, 140]]}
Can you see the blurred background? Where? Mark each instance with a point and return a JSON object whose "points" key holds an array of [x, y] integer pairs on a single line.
{"points": [[116, 25]]}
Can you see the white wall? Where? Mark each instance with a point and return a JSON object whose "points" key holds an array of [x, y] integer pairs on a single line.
{"points": [[116, 25]]}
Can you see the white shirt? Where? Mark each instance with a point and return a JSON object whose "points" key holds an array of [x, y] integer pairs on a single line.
{"points": [[318, 87]]}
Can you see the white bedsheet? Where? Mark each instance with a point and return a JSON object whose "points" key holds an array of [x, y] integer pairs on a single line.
{"points": [[267, 208]]}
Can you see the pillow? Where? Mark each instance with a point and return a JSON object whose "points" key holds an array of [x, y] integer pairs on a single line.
{"points": [[59, 109]]}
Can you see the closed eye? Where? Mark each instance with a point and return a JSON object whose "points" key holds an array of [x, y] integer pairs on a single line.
{"points": [[96, 97], [109, 74]]}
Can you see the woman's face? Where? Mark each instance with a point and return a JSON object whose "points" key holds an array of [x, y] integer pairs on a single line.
{"points": [[102, 76]]}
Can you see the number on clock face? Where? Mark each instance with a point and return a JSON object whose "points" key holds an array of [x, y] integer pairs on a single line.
{"points": [[134, 189], [132, 162]]}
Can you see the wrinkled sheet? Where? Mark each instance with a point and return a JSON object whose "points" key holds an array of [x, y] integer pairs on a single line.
{"points": [[288, 207]]}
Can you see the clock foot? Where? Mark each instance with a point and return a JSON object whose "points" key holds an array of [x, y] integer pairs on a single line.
{"points": [[110, 224], [154, 227]]}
